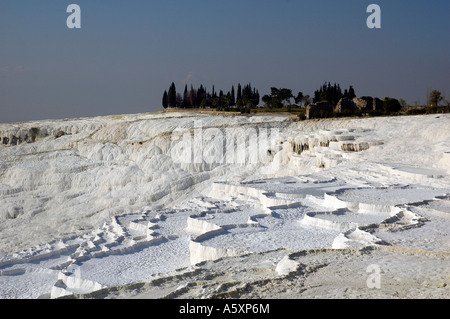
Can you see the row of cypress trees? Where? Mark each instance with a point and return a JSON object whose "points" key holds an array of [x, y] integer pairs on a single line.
{"points": [[332, 93], [245, 96]]}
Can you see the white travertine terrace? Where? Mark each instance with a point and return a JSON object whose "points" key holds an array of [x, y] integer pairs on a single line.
{"points": [[89, 204]]}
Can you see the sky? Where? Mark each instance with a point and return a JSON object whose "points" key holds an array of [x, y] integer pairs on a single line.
{"points": [[127, 52]]}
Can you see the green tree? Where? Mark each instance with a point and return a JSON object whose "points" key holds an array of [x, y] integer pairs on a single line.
{"points": [[306, 100], [256, 98], [172, 96], [266, 99], [435, 98], [299, 98], [285, 95], [273, 100], [185, 97], [403, 103], [192, 96], [239, 95], [233, 98], [332, 93], [179, 100], [164, 100], [391, 105], [324, 96], [351, 93]]}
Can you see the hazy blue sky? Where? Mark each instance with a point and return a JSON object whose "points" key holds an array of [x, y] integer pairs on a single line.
{"points": [[128, 52]]}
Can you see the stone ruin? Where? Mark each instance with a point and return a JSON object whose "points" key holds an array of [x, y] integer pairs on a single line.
{"points": [[319, 109], [345, 105]]}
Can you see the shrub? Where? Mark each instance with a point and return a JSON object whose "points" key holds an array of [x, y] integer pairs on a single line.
{"points": [[391, 105], [415, 111], [374, 113]]}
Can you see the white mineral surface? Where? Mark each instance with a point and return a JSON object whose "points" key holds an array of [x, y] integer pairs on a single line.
{"points": [[190, 205]]}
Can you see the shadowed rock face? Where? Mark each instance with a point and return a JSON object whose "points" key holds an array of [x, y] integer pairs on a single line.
{"points": [[319, 109], [347, 105], [344, 106], [377, 104], [367, 103], [363, 104]]}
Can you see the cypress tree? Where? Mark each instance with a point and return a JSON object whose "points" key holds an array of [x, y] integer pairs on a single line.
{"points": [[233, 99], [228, 99], [239, 95], [351, 93], [346, 93], [185, 97], [172, 96], [202, 95], [192, 96], [164, 100]]}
